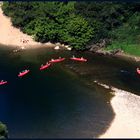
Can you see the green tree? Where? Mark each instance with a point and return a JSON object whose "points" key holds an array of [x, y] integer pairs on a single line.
{"points": [[50, 21], [77, 32], [3, 131]]}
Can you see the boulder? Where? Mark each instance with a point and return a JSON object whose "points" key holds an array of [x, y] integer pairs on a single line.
{"points": [[66, 46], [69, 48], [94, 48], [57, 48], [58, 44], [63, 45]]}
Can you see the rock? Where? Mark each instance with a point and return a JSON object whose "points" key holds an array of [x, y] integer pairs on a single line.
{"points": [[49, 44], [22, 47], [94, 48], [57, 48], [69, 48], [63, 45], [58, 44], [66, 46]]}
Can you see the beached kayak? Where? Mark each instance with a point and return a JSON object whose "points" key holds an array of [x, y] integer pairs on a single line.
{"points": [[78, 59], [23, 73], [45, 66], [138, 70], [56, 60], [3, 82]]}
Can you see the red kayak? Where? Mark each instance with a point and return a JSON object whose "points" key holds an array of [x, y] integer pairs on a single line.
{"points": [[78, 59], [45, 66], [3, 82], [138, 70], [23, 73], [56, 60]]}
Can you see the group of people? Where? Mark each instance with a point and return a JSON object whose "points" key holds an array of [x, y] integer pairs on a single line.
{"points": [[24, 40]]}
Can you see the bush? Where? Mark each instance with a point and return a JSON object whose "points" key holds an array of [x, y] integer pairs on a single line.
{"points": [[3, 131]]}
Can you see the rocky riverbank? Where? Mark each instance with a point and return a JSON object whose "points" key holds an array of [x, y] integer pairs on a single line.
{"points": [[100, 46]]}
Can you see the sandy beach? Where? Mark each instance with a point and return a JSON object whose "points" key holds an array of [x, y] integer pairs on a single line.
{"points": [[126, 105], [12, 36], [126, 123]]}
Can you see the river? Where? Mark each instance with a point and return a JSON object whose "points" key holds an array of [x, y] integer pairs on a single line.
{"points": [[62, 101]]}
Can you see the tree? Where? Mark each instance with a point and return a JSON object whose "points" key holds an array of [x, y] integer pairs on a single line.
{"points": [[3, 131], [77, 32], [50, 21]]}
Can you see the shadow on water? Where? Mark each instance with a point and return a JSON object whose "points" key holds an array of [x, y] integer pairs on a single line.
{"points": [[114, 71], [57, 102]]}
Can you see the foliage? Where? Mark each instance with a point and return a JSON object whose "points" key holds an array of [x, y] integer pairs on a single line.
{"points": [[127, 37], [76, 23], [106, 15], [76, 32], [3, 131], [50, 21]]}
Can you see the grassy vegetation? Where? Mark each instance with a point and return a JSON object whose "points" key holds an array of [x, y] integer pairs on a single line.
{"points": [[132, 49], [127, 37]]}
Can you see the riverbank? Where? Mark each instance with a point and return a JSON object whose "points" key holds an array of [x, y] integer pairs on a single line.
{"points": [[132, 57], [11, 36], [116, 53], [126, 123], [14, 37], [126, 108]]}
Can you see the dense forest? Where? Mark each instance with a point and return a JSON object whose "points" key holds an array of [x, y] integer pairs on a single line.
{"points": [[79, 24]]}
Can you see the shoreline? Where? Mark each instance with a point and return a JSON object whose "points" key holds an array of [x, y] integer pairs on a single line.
{"points": [[124, 55], [125, 104], [13, 37], [119, 54], [126, 123]]}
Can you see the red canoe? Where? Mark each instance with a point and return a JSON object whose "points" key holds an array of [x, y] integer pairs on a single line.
{"points": [[78, 59], [56, 60], [138, 70], [23, 73], [45, 66], [3, 82]]}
